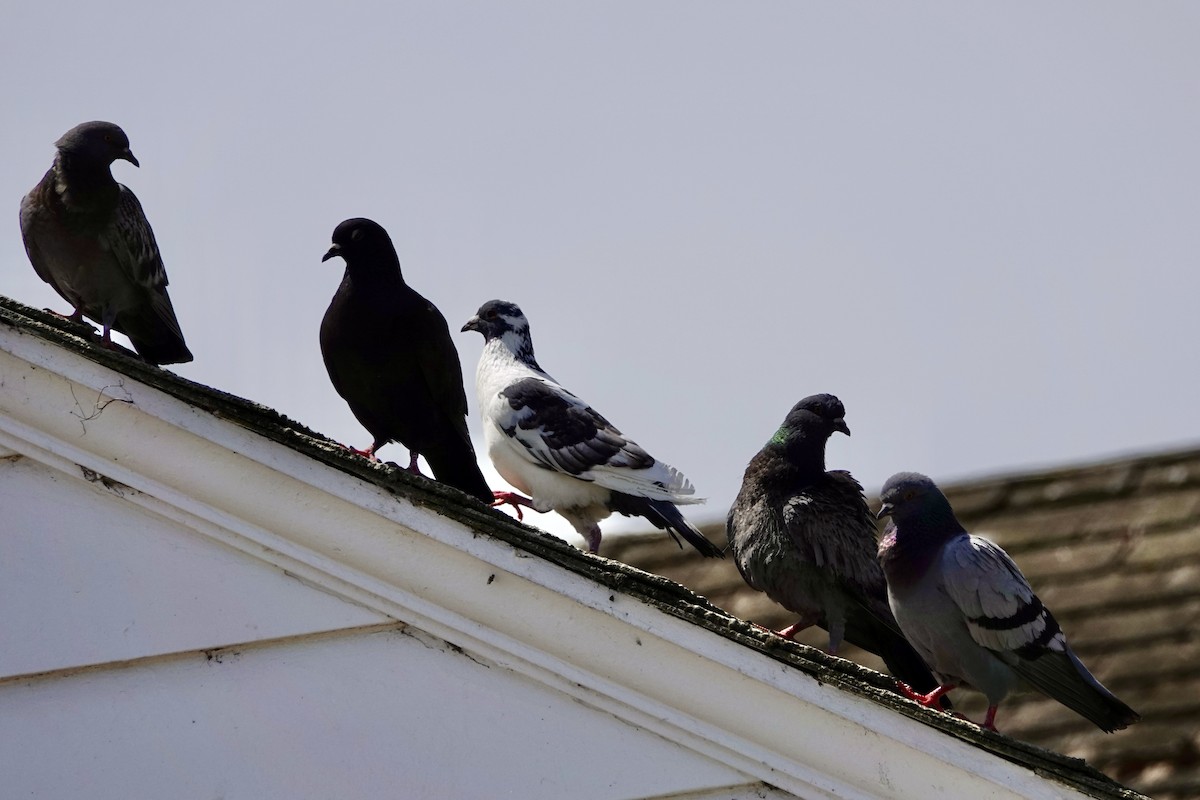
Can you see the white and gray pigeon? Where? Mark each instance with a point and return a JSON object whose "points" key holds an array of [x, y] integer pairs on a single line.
{"points": [[554, 447], [87, 237], [967, 609], [806, 537]]}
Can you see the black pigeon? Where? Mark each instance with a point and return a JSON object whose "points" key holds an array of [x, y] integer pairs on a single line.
{"points": [[87, 237], [806, 538], [969, 611], [389, 355]]}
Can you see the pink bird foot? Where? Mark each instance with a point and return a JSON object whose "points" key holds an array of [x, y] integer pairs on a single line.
{"points": [[106, 340], [368, 452], [799, 625], [512, 499], [989, 721], [928, 700]]}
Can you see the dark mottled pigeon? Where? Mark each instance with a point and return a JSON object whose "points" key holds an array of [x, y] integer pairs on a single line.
{"points": [[87, 237], [805, 537], [389, 355], [972, 616], [554, 447]]}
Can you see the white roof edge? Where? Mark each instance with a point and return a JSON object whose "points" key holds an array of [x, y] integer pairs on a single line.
{"points": [[357, 540]]}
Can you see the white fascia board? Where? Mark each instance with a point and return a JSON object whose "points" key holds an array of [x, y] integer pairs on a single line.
{"points": [[357, 540]]}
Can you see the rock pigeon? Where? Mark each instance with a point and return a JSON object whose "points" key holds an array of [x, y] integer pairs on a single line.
{"points": [[970, 613], [389, 355], [806, 538], [87, 237], [554, 447]]}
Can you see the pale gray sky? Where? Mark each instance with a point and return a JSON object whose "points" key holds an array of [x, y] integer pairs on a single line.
{"points": [[976, 223]]}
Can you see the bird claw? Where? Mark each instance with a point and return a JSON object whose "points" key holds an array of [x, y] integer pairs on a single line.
{"points": [[799, 625], [368, 453], [512, 499], [989, 722], [75, 316], [928, 700], [107, 343], [790, 631]]}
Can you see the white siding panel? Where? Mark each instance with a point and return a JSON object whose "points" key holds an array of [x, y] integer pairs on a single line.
{"points": [[86, 578], [387, 714]]}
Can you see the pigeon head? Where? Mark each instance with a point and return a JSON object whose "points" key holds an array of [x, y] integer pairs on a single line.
{"points": [[496, 318], [815, 418], [805, 430], [502, 321], [910, 497], [95, 144], [360, 241]]}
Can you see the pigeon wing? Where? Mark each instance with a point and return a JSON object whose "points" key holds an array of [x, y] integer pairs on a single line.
{"points": [[557, 431], [1000, 608], [440, 366], [35, 215], [1005, 616], [131, 241]]}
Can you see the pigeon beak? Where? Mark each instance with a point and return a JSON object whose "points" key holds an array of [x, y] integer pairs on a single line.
{"points": [[473, 324], [128, 155], [885, 511], [839, 424], [334, 252]]}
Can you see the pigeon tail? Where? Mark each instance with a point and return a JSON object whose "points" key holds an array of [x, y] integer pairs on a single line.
{"points": [[154, 331], [1063, 676], [665, 515], [457, 466]]}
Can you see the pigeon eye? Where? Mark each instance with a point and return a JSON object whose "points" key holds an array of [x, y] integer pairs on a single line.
{"points": [[491, 314], [356, 235]]}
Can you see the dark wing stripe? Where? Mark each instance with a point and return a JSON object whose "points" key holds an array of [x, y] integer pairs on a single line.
{"points": [[1038, 646], [577, 436], [1025, 614]]}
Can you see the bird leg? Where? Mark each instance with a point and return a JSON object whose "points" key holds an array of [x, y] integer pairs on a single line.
{"points": [[806, 621], [367, 452], [591, 535], [836, 631], [74, 316], [929, 700], [989, 721], [413, 455], [108, 319], [515, 500]]}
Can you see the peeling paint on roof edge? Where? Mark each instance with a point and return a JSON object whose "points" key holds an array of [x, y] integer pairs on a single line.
{"points": [[659, 592]]}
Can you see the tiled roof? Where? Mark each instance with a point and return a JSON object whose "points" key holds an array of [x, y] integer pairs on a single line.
{"points": [[1114, 550], [719, 579]]}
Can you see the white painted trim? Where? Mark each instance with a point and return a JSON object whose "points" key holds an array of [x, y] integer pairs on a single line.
{"points": [[358, 541], [744, 791]]}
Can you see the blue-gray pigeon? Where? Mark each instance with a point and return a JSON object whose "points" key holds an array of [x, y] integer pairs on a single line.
{"points": [[972, 616], [806, 538], [87, 237], [389, 355], [554, 447]]}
